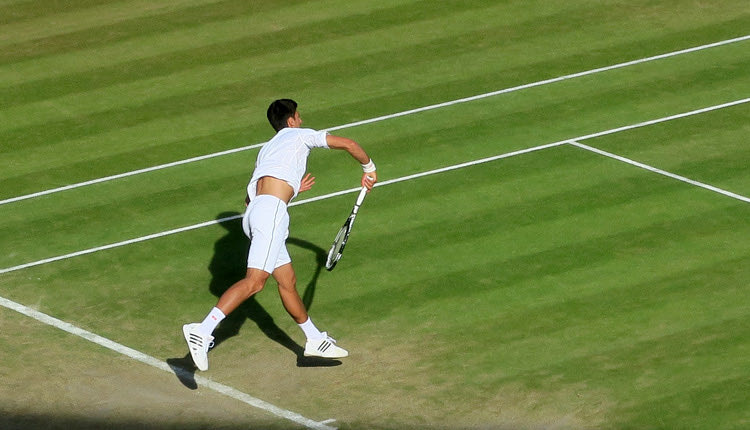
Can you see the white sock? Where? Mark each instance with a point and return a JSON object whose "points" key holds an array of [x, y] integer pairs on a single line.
{"points": [[211, 321], [311, 332]]}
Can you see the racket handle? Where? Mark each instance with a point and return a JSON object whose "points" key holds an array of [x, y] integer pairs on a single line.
{"points": [[361, 196]]}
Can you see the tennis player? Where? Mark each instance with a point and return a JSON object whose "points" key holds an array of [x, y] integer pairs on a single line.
{"points": [[276, 180]]}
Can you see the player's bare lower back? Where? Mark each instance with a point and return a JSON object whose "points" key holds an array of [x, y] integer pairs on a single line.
{"points": [[275, 187]]}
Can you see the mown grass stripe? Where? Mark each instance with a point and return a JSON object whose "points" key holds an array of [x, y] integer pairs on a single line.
{"points": [[178, 81], [214, 42], [568, 236], [50, 22], [24, 10]]}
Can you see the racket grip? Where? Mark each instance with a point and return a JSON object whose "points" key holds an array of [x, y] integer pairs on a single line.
{"points": [[361, 196]]}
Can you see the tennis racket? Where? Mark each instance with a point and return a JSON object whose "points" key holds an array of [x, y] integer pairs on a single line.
{"points": [[337, 249]]}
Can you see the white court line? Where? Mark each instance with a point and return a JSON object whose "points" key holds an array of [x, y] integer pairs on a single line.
{"points": [[660, 171], [664, 119], [126, 174], [549, 81], [159, 364], [383, 183], [385, 117]]}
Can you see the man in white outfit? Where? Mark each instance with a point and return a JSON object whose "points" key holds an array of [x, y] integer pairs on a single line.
{"points": [[276, 180]]}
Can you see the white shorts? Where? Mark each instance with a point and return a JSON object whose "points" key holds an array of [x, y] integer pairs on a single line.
{"points": [[266, 223]]}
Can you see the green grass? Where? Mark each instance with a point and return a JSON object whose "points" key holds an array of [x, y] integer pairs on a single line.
{"points": [[554, 289]]}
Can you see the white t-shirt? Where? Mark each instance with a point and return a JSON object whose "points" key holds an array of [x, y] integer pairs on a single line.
{"points": [[285, 157]]}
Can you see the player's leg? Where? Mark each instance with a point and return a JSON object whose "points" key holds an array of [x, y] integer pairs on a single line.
{"points": [[267, 222], [199, 336], [242, 290], [293, 304], [317, 344]]}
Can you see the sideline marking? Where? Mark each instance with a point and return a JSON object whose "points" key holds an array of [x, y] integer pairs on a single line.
{"points": [[660, 171], [549, 81], [387, 182], [126, 174], [385, 117], [159, 364]]}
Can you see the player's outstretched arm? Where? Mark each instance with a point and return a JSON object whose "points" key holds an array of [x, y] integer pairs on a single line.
{"points": [[370, 175]]}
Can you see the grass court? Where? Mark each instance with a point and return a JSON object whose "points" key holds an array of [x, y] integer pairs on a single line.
{"points": [[566, 250]]}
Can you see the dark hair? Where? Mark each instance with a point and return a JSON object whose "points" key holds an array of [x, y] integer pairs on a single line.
{"points": [[279, 111]]}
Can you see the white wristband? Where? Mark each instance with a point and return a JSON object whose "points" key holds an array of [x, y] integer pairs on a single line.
{"points": [[369, 167]]}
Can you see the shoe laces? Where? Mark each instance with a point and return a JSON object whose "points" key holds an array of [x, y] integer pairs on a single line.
{"points": [[328, 338], [200, 341]]}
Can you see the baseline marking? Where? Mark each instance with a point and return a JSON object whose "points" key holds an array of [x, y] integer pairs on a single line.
{"points": [[159, 364], [385, 117], [388, 182], [660, 171]]}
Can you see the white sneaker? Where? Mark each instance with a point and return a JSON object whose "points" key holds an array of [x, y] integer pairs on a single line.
{"points": [[198, 345], [325, 347]]}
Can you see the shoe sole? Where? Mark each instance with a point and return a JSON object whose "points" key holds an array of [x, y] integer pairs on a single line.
{"points": [[307, 354], [320, 356]]}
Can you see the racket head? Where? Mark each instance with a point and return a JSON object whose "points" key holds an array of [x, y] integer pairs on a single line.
{"points": [[337, 248]]}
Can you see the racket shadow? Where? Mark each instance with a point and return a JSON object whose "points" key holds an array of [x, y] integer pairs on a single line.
{"points": [[228, 265]]}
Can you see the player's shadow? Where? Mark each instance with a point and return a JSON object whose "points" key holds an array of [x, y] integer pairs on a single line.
{"points": [[228, 266]]}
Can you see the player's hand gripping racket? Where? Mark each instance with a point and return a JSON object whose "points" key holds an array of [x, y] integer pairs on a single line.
{"points": [[337, 249]]}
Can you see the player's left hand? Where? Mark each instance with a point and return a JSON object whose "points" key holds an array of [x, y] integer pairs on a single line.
{"points": [[307, 182]]}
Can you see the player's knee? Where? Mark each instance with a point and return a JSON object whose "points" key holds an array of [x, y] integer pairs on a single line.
{"points": [[252, 286]]}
